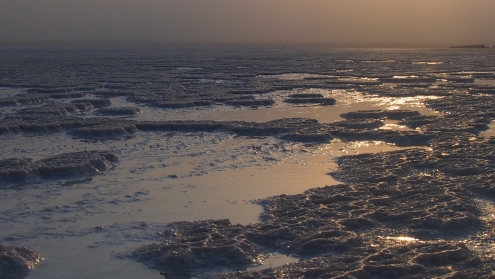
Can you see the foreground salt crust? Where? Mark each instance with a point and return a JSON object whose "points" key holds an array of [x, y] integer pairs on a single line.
{"points": [[76, 164], [15, 262], [411, 192], [425, 193]]}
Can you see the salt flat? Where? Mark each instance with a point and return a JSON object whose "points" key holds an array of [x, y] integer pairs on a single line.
{"points": [[214, 141]]}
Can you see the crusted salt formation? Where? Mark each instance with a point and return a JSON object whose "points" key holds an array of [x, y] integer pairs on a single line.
{"points": [[415, 85], [366, 124], [299, 233], [472, 124], [75, 164], [67, 95], [178, 126], [472, 105], [16, 169], [408, 91], [62, 92], [423, 193], [97, 103], [182, 104], [296, 129], [16, 262], [412, 192], [36, 98], [98, 128], [31, 124], [119, 111], [58, 109], [293, 129], [65, 165], [104, 131], [414, 260], [483, 90], [194, 245], [219, 245], [406, 79], [341, 231], [310, 99], [25, 99], [380, 114], [414, 181], [252, 91], [250, 103], [186, 101]]}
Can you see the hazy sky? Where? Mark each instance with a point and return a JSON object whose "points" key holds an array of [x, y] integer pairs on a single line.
{"points": [[249, 22]]}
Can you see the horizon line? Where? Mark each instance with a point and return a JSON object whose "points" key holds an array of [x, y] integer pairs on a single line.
{"points": [[222, 45]]}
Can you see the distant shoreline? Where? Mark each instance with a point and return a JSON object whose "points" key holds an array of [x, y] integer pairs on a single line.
{"points": [[470, 46]]}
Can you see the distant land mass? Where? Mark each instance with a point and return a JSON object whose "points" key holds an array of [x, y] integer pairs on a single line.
{"points": [[470, 46]]}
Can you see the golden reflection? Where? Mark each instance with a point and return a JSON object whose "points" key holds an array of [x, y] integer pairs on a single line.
{"points": [[358, 79], [393, 103], [379, 61], [404, 77], [359, 144], [402, 238], [395, 127], [427, 63]]}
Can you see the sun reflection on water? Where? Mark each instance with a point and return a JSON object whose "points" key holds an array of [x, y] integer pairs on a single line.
{"points": [[402, 238], [394, 103]]}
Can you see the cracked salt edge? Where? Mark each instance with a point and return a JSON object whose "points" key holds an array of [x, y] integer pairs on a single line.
{"points": [[76, 164]]}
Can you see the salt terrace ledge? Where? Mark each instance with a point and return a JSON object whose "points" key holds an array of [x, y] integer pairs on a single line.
{"points": [[293, 129], [85, 163]]}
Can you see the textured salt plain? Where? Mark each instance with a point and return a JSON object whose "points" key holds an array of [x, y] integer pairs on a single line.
{"points": [[139, 156]]}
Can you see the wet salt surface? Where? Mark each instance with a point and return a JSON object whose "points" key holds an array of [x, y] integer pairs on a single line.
{"points": [[346, 101], [165, 177], [161, 178]]}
